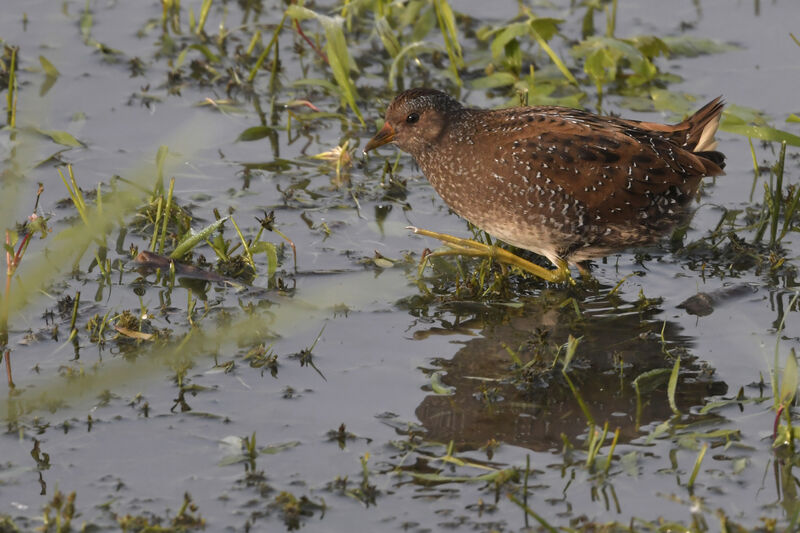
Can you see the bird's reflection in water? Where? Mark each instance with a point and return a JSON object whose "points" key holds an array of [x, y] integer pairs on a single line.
{"points": [[620, 341]]}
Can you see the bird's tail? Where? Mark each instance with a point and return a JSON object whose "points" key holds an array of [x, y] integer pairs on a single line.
{"points": [[701, 127]]}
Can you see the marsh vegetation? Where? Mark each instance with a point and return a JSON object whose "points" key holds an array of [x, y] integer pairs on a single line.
{"points": [[213, 316]]}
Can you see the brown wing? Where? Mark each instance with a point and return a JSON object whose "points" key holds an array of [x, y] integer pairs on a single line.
{"points": [[610, 166], [696, 133]]}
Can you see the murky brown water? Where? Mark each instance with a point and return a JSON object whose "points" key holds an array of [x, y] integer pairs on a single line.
{"points": [[125, 440]]}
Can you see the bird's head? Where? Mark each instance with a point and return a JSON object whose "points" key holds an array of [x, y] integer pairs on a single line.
{"points": [[415, 120]]}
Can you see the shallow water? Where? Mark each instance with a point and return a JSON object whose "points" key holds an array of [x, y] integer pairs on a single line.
{"points": [[121, 433]]}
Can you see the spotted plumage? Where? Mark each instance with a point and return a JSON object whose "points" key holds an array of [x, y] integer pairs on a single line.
{"points": [[561, 182]]}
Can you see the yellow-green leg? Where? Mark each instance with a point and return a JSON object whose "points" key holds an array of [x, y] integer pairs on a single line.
{"points": [[458, 246]]}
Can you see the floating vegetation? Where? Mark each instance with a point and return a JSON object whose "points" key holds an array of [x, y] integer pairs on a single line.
{"points": [[213, 315]]}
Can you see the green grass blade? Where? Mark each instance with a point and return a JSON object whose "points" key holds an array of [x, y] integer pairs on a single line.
{"points": [[673, 385], [161, 157], [255, 133], [336, 49], [697, 464], [167, 210], [555, 59], [206, 7], [530, 512], [265, 53], [271, 252], [195, 238], [387, 36], [340, 62], [789, 380], [247, 251], [11, 96], [572, 347], [447, 25], [399, 61]]}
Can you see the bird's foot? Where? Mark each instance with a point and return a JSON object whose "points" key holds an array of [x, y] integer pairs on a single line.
{"points": [[458, 246]]}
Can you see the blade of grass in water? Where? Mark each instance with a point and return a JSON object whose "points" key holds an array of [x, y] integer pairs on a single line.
{"points": [[387, 36], [336, 50], [161, 157], [673, 385], [86, 24], [530, 512], [61, 137], [247, 252], [399, 61], [611, 20], [270, 251], [447, 25], [555, 59], [777, 196], [206, 7], [11, 96], [789, 380], [697, 464], [195, 238], [167, 210], [263, 56]]}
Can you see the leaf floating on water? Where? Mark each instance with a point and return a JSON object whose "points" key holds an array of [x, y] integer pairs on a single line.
{"points": [[255, 133], [765, 133], [49, 69], [435, 478], [690, 46], [382, 262], [277, 448], [224, 105], [61, 137], [134, 334], [750, 123]]}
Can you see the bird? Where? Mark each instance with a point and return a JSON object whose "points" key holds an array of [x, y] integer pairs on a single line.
{"points": [[564, 183]]}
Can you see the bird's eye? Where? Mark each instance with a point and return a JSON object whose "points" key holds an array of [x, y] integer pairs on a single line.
{"points": [[412, 118]]}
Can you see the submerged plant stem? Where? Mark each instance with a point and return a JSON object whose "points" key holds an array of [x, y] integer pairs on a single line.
{"points": [[11, 96], [8, 370]]}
